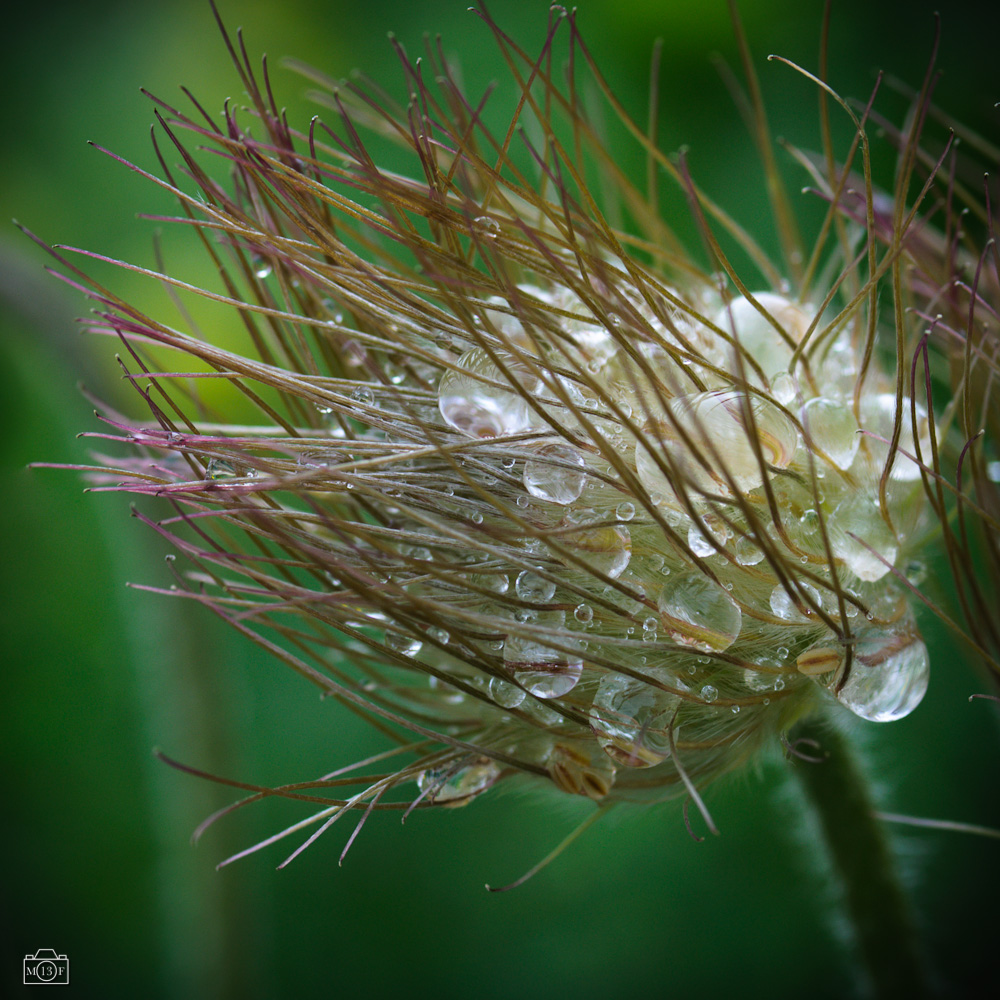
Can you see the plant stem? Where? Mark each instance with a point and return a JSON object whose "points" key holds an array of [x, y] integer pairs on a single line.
{"points": [[876, 905]]}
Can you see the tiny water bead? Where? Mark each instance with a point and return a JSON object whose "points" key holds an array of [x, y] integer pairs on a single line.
{"points": [[583, 613], [405, 644], [555, 472], [458, 786], [631, 718], [709, 694], [698, 613], [889, 675], [219, 468], [363, 395], [488, 227], [625, 511]]}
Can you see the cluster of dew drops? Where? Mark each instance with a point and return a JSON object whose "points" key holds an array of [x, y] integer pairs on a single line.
{"points": [[821, 466]]}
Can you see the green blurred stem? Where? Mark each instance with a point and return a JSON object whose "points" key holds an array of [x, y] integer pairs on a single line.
{"points": [[876, 905]]}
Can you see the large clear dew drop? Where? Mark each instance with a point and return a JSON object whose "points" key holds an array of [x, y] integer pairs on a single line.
{"points": [[721, 444], [831, 427], [533, 587], [606, 549], [878, 411], [476, 408], [540, 669], [698, 613], [795, 610], [464, 784], [631, 719], [889, 675], [505, 694], [859, 536], [758, 337], [555, 472]]}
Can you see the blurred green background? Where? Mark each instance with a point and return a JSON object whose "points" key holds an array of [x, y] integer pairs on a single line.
{"points": [[96, 858]]}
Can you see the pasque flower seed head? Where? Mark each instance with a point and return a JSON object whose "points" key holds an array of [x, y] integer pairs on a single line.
{"points": [[542, 496]]}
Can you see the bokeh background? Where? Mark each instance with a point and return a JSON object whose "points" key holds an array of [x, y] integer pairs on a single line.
{"points": [[96, 860]]}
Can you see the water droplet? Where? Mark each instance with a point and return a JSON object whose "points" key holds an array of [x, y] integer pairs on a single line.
{"points": [[859, 535], [546, 715], [542, 670], [476, 408], [508, 463], [698, 613], [830, 426], [555, 472], [219, 468], [438, 634], [405, 644], [363, 395], [476, 518], [325, 410], [523, 501], [877, 415], [916, 572], [529, 586], [505, 694], [489, 228], [783, 388], [464, 784], [757, 335], [650, 624], [719, 445], [699, 544], [583, 613], [498, 583], [607, 549], [625, 511], [261, 268], [631, 719], [889, 674], [746, 551], [788, 609], [709, 694]]}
